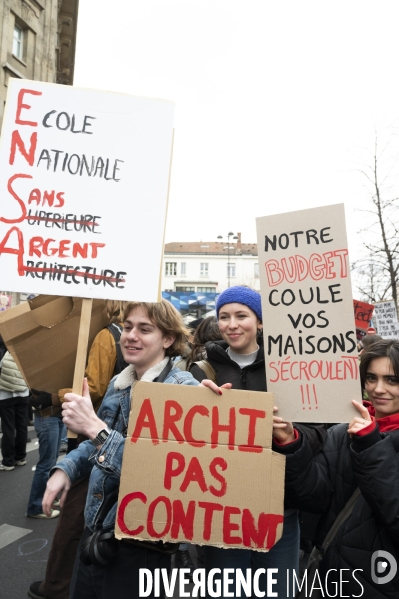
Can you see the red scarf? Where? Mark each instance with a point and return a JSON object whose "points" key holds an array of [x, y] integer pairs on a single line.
{"points": [[388, 423]]}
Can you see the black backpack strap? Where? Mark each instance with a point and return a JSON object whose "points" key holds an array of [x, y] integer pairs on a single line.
{"points": [[109, 502], [116, 331], [208, 369], [165, 372]]}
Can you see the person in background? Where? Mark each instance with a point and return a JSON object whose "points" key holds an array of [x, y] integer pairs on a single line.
{"points": [[208, 330], [104, 362], [181, 361], [14, 404], [361, 458], [30, 415], [368, 340], [3, 350], [64, 440], [49, 430], [239, 359]]}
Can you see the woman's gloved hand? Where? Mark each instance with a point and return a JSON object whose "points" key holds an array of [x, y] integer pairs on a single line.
{"points": [[40, 399]]}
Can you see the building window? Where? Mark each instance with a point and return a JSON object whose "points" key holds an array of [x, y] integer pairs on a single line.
{"points": [[206, 289], [256, 271], [204, 269], [178, 288], [171, 269], [183, 268], [17, 42], [231, 270]]}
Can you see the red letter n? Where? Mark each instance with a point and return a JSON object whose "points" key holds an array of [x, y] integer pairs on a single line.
{"points": [[17, 141], [183, 519]]}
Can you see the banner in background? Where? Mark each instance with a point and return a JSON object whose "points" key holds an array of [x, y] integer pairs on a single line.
{"points": [[386, 319], [363, 314]]}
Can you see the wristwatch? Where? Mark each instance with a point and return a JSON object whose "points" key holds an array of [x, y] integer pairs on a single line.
{"points": [[102, 436]]}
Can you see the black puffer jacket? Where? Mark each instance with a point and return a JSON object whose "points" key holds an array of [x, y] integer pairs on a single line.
{"points": [[252, 378], [325, 483]]}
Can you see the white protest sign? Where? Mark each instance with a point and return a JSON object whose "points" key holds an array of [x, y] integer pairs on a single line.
{"points": [[308, 321], [386, 318], [84, 182]]}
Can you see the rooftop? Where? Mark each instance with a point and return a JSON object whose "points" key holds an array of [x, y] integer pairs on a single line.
{"points": [[212, 247]]}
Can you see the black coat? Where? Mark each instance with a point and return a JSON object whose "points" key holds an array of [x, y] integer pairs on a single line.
{"points": [[252, 378], [325, 483]]}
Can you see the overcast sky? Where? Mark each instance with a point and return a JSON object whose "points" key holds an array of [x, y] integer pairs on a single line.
{"points": [[276, 101]]}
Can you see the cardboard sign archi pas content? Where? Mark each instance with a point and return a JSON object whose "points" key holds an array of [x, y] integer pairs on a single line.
{"points": [[42, 336], [308, 315], [199, 468]]}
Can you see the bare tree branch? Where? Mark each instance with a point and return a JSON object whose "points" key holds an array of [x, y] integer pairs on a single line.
{"points": [[377, 276]]}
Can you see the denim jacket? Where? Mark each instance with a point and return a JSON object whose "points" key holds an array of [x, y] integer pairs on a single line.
{"points": [[104, 465]]}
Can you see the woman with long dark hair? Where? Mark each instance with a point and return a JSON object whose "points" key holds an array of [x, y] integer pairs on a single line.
{"points": [[362, 558]]}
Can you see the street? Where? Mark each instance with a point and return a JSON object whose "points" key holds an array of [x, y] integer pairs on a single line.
{"points": [[24, 542]]}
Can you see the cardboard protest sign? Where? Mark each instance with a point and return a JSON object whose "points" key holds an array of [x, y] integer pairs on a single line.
{"points": [[42, 337], [199, 468], [386, 319], [83, 181], [363, 314], [309, 329]]}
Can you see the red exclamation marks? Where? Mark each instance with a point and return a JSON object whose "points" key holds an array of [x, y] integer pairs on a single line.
{"points": [[315, 397], [305, 389]]}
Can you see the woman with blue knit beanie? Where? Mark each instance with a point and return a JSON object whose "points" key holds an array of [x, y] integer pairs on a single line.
{"points": [[239, 359]]}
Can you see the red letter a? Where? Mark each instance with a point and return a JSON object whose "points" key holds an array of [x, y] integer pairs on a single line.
{"points": [[146, 419], [19, 252]]}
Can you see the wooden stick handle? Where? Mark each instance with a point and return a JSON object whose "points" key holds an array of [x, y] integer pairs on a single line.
{"points": [[81, 354]]}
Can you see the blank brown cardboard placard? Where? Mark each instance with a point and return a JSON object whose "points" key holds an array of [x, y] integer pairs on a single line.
{"points": [[199, 468], [42, 337]]}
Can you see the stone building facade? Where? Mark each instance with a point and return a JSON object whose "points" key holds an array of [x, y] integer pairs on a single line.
{"points": [[37, 41]]}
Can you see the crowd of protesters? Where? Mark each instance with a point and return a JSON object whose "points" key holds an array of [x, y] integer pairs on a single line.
{"points": [[346, 474]]}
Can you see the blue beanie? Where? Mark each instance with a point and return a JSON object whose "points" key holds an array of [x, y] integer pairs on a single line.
{"points": [[241, 295]]}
